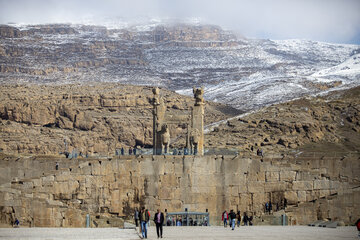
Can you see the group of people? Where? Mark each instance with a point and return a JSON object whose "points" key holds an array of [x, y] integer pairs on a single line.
{"points": [[233, 218], [144, 216], [268, 207], [131, 151]]}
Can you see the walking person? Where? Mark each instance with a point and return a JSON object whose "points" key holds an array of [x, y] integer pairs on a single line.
{"points": [[225, 217], [245, 219], [238, 216], [136, 216], [122, 150], [270, 207], [232, 216], [266, 207], [159, 220], [148, 213], [144, 218]]}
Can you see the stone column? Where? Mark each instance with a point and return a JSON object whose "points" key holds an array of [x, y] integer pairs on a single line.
{"points": [[158, 118], [197, 124]]}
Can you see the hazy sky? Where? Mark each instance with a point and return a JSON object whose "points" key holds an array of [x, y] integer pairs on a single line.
{"points": [[323, 20]]}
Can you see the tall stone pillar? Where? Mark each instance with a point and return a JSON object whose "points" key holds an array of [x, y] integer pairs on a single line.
{"points": [[158, 119], [197, 122]]}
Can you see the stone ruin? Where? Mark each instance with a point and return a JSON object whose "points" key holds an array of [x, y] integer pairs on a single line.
{"points": [[194, 125]]}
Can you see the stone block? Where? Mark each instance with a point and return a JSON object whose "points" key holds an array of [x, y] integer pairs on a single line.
{"points": [[96, 168], [305, 176], [6, 196], [86, 170], [12, 203], [74, 218], [288, 176], [108, 178], [324, 193], [255, 187], [167, 167], [64, 190], [334, 185], [255, 176], [244, 201], [302, 185], [54, 203], [232, 179], [166, 193], [291, 196], [27, 185], [42, 215], [147, 168], [29, 195], [48, 180], [178, 169], [321, 184], [242, 188], [64, 176], [116, 203], [259, 198], [234, 191], [36, 182], [41, 195], [276, 186], [272, 176], [301, 196], [168, 180], [106, 168]]}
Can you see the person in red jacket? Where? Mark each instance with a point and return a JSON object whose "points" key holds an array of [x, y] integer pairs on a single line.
{"points": [[225, 217], [358, 225]]}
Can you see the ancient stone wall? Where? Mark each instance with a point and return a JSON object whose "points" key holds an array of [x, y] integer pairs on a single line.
{"points": [[109, 188]]}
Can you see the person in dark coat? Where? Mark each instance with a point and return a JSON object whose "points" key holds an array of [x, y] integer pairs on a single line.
{"points": [[159, 221], [245, 219], [238, 216], [136, 216], [232, 216]]}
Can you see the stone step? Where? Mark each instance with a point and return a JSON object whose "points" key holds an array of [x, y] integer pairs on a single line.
{"points": [[328, 224]]}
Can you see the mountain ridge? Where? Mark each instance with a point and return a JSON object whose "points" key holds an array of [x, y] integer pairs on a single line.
{"points": [[244, 73]]}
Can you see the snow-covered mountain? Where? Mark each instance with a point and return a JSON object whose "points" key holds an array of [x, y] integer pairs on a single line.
{"points": [[284, 70], [348, 69], [245, 73]]}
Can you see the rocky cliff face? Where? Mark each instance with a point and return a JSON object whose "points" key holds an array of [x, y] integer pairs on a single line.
{"points": [[101, 118], [93, 119], [327, 123]]}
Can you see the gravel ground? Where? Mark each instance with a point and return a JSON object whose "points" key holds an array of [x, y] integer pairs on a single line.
{"points": [[253, 232]]}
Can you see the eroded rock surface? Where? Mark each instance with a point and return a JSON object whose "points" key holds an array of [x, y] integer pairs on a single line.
{"points": [[94, 119], [328, 123]]}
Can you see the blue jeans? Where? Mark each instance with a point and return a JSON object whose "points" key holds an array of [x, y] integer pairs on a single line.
{"points": [[233, 223], [144, 229], [225, 222]]}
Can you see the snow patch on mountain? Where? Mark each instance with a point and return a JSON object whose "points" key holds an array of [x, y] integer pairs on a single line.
{"points": [[349, 68]]}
